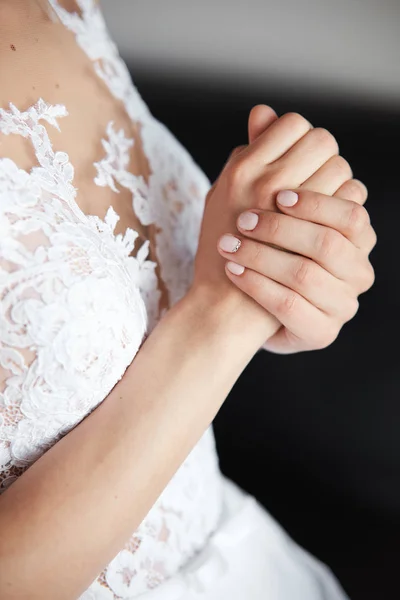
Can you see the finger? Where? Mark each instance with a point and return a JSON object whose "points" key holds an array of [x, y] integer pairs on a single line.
{"points": [[346, 217], [326, 246], [294, 312], [280, 136], [306, 157], [295, 272], [353, 190], [334, 173], [235, 152], [260, 118]]}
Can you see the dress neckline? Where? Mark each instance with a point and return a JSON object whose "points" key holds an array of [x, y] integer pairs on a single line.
{"points": [[92, 37]]}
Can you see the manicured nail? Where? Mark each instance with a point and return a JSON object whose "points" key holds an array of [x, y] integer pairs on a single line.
{"points": [[234, 268], [287, 198], [228, 243], [248, 221]]}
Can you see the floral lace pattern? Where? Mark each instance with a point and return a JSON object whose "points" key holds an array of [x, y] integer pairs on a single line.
{"points": [[75, 304]]}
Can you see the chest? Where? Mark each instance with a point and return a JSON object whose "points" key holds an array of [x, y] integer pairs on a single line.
{"points": [[68, 75]]}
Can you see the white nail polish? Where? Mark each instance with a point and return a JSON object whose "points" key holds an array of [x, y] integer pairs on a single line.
{"points": [[287, 198], [248, 221], [229, 243], [234, 268]]}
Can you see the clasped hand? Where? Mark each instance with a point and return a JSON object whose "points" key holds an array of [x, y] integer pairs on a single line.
{"points": [[288, 219]]}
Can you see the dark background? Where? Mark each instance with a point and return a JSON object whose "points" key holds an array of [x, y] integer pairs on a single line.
{"points": [[316, 436]]}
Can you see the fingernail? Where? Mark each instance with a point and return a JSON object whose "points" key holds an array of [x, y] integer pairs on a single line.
{"points": [[287, 198], [228, 243], [234, 268], [248, 221]]}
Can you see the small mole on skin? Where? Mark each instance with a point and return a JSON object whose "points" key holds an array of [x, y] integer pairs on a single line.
{"points": [[34, 87], [13, 48], [57, 85]]}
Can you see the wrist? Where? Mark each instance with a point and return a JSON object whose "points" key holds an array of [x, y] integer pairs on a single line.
{"points": [[232, 316]]}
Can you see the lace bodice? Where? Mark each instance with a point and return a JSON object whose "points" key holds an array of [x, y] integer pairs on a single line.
{"points": [[77, 298]]}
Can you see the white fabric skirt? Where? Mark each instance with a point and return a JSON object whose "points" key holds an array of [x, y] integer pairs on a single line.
{"points": [[250, 557]]}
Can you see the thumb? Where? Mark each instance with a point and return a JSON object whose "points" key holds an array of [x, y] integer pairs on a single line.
{"points": [[260, 118]]}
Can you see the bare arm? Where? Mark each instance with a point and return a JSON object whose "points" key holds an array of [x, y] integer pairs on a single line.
{"points": [[94, 487], [64, 519], [79, 503]]}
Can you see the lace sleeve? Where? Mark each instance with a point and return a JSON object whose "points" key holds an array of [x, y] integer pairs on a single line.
{"points": [[71, 315]]}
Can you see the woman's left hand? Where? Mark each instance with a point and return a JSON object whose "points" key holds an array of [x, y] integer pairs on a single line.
{"points": [[306, 266]]}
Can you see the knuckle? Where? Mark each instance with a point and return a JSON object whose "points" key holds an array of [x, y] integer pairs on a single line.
{"points": [[235, 152], [239, 149], [342, 166], [374, 239], [329, 243], [355, 305], [367, 277], [371, 276], [356, 191], [325, 138], [351, 309], [238, 171], [326, 336], [296, 121], [303, 272], [287, 305], [231, 158], [357, 219]]}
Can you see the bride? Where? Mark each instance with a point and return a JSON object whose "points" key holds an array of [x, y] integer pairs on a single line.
{"points": [[132, 296]]}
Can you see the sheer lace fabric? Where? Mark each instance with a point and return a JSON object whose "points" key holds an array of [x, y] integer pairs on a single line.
{"points": [[77, 298]]}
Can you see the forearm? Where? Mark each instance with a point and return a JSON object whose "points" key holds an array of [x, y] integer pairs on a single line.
{"points": [[74, 509]]}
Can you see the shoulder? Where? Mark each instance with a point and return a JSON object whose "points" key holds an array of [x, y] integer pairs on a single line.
{"points": [[40, 60], [30, 69], [27, 52]]}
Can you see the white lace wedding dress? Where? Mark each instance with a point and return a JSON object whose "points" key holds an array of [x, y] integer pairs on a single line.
{"points": [[77, 299]]}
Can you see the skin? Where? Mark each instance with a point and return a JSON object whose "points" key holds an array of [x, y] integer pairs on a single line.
{"points": [[344, 215], [310, 292], [79, 503]]}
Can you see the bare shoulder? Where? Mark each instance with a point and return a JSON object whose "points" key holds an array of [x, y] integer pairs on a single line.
{"points": [[40, 59], [35, 53]]}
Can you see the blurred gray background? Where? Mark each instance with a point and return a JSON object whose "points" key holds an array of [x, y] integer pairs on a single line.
{"points": [[346, 47]]}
